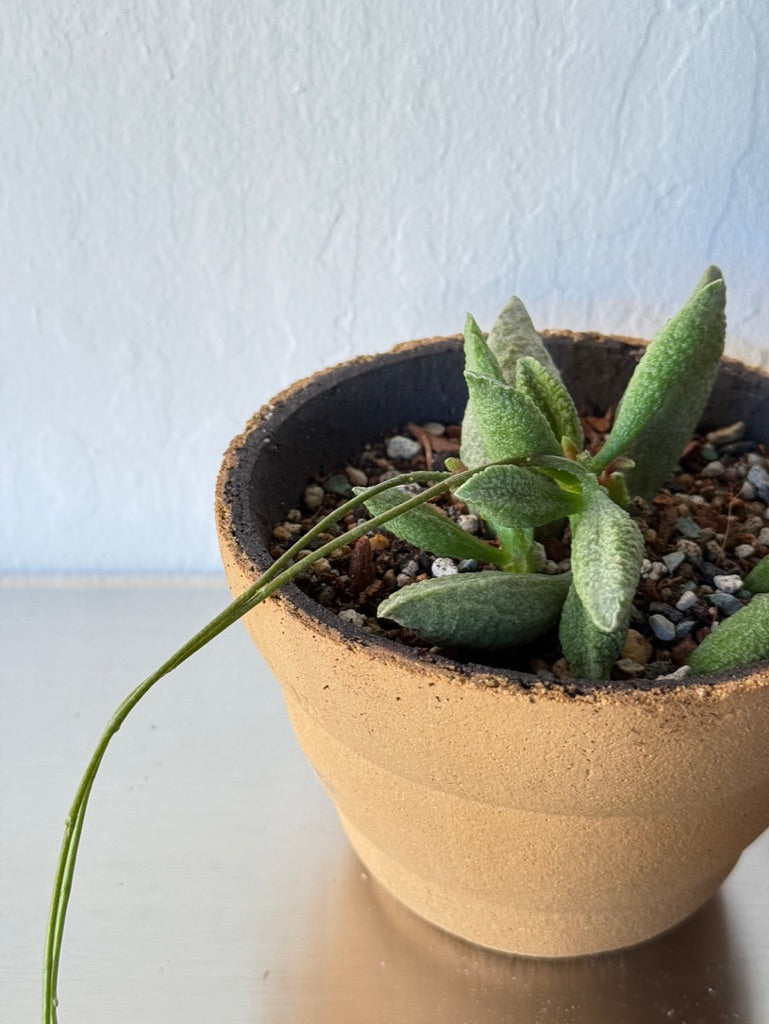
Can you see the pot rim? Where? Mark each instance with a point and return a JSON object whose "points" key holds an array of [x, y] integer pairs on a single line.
{"points": [[254, 561]]}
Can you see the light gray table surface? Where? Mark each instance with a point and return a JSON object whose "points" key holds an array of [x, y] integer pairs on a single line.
{"points": [[214, 882]]}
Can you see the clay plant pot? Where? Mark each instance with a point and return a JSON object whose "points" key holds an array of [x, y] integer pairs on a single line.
{"points": [[545, 820]]}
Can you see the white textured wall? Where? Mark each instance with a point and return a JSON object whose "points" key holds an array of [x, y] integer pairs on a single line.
{"points": [[201, 201]]}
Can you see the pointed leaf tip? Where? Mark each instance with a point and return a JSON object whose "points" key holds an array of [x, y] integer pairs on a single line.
{"points": [[513, 336], [509, 423], [740, 641], [712, 273], [669, 388], [550, 396]]}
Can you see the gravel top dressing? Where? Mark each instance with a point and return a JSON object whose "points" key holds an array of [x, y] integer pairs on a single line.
{"points": [[704, 532]]}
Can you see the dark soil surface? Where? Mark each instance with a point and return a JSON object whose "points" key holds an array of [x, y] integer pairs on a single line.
{"points": [[704, 532]]}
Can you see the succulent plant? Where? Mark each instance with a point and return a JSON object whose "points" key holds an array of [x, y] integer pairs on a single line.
{"points": [[522, 467], [522, 432]]}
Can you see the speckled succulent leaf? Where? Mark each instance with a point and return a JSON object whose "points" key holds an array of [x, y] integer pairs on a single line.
{"points": [[589, 652], [472, 451], [739, 641], [757, 580], [518, 546], [478, 356], [509, 423], [569, 475], [427, 528], [478, 359], [669, 388], [616, 488], [517, 496], [606, 556], [513, 336], [550, 396], [487, 610]]}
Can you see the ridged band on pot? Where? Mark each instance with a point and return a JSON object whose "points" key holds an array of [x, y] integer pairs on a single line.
{"points": [[546, 820]]}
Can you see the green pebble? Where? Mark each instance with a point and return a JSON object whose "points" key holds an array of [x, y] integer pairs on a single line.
{"points": [[339, 484], [687, 527]]}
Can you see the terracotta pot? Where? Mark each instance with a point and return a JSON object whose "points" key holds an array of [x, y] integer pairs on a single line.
{"points": [[533, 819]]}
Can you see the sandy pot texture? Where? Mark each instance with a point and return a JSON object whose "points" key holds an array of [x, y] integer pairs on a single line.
{"points": [[517, 815]]}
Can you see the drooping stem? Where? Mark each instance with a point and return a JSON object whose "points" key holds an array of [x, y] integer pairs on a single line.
{"points": [[279, 573]]}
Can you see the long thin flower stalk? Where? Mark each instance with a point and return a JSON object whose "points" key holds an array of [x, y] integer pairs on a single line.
{"points": [[277, 575]]}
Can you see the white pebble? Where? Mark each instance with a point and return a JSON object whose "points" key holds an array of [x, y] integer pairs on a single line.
{"points": [[690, 549], [759, 477], [763, 536], [744, 550], [755, 459], [686, 601], [680, 673], [400, 447], [653, 570], [444, 567], [713, 469], [353, 617], [313, 497], [468, 523], [436, 429], [356, 476], [728, 584]]}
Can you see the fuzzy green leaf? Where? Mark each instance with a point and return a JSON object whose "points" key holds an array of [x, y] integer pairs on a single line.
{"points": [[589, 651], [427, 528], [617, 490], [606, 556], [478, 356], [569, 475], [757, 580], [739, 641], [550, 396], [509, 423], [485, 610], [513, 337], [471, 450], [518, 546], [669, 388], [516, 496], [478, 359]]}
